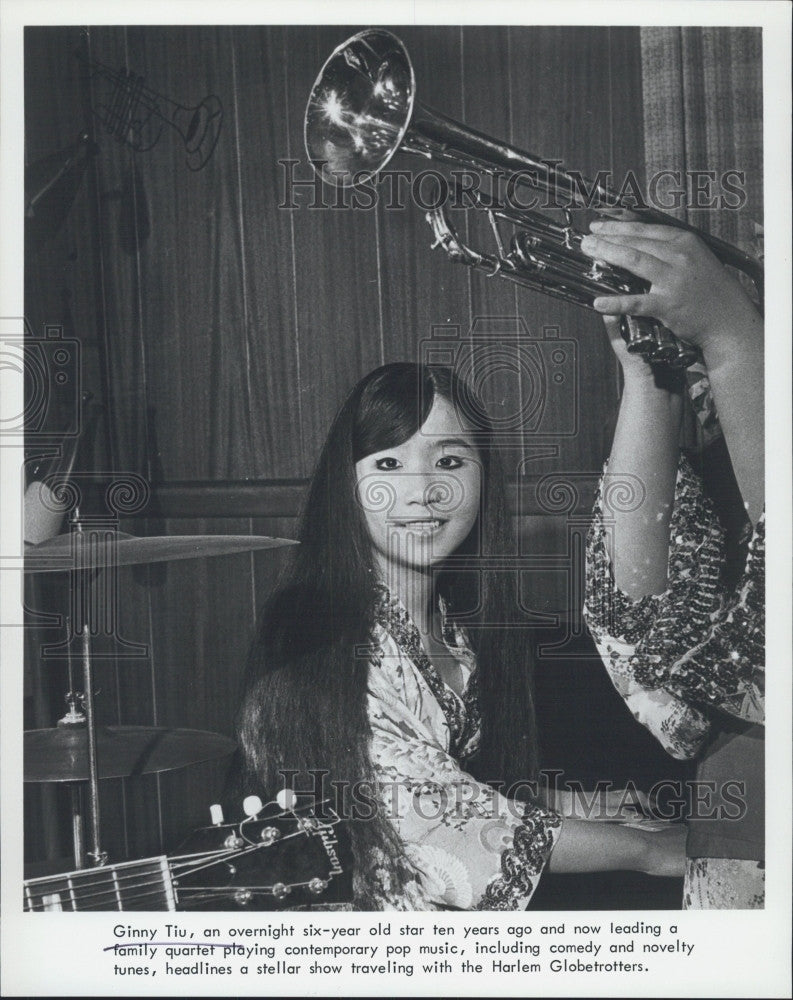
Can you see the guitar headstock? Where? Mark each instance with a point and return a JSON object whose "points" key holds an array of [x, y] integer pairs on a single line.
{"points": [[280, 856]]}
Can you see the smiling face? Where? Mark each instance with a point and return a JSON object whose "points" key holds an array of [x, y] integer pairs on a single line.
{"points": [[421, 498]]}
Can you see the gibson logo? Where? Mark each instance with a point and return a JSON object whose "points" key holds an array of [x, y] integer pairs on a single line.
{"points": [[329, 841]]}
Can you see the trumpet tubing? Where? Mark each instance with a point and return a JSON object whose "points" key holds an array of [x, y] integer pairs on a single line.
{"points": [[362, 110]]}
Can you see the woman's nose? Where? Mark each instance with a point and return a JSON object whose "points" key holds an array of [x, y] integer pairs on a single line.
{"points": [[419, 488], [430, 489]]}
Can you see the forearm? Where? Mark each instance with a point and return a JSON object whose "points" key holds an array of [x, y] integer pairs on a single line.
{"points": [[735, 368], [591, 846], [645, 447], [694, 295]]}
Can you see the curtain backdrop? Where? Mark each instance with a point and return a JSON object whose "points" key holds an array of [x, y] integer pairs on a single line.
{"points": [[703, 110]]}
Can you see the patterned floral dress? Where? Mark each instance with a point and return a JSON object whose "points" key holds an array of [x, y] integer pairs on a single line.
{"points": [[468, 847], [690, 665]]}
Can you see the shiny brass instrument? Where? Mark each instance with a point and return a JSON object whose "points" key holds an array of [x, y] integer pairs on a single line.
{"points": [[362, 110]]}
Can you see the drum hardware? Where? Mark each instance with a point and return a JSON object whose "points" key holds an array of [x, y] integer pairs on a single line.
{"points": [[56, 554], [77, 744], [62, 754]]}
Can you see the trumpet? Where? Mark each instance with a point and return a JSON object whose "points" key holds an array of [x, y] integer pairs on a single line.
{"points": [[362, 110]]}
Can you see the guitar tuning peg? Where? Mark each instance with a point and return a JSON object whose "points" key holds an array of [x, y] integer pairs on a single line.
{"points": [[216, 814], [252, 805], [286, 798]]}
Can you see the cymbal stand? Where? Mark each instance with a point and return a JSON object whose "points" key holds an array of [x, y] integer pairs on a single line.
{"points": [[82, 576], [96, 855], [74, 718]]}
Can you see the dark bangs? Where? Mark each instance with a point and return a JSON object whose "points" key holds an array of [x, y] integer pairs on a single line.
{"points": [[394, 403]]}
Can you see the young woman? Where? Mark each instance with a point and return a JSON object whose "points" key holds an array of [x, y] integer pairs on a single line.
{"points": [[394, 655], [680, 624]]}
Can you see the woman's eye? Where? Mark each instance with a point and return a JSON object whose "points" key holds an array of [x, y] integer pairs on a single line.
{"points": [[449, 462], [384, 464]]}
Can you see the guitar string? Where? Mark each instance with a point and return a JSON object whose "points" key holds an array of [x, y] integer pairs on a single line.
{"points": [[252, 848], [188, 895], [117, 885], [101, 904], [210, 893]]}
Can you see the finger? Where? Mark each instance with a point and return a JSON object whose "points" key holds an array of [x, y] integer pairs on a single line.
{"points": [[614, 332], [605, 227], [613, 325], [613, 212], [638, 262], [624, 305], [662, 250]]}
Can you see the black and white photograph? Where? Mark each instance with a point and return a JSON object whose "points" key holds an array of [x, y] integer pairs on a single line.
{"points": [[385, 502]]}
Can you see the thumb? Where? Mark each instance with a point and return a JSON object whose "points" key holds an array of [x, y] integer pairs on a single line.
{"points": [[613, 331], [632, 364]]}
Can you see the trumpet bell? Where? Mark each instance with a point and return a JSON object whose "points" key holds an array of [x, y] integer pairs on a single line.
{"points": [[359, 108]]}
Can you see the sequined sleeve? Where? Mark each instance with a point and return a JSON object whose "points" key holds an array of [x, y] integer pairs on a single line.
{"points": [[468, 846], [639, 640], [726, 669]]}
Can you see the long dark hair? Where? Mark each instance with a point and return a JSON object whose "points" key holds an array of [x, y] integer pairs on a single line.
{"points": [[305, 703]]}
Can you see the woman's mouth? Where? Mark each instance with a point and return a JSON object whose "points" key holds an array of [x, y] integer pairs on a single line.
{"points": [[423, 524]]}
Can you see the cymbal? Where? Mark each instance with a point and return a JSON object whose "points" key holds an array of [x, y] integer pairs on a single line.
{"points": [[62, 754], [57, 553]]}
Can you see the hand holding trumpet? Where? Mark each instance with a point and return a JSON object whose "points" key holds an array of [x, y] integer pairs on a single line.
{"points": [[691, 292], [694, 296]]}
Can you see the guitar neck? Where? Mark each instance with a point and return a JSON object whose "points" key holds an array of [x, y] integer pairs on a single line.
{"points": [[133, 885], [267, 862]]}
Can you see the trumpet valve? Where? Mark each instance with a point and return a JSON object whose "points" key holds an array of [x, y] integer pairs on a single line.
{"points": [[663, 353], [686, 355], [638, 334]]}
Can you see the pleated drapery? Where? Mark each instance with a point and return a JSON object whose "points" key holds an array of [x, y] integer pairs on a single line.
{"points": [[703, 111]]}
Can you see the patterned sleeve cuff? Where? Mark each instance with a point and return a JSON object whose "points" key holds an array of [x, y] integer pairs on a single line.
{"points": [[726, 669], [661, 626], [608, 609], [523, 862]]}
